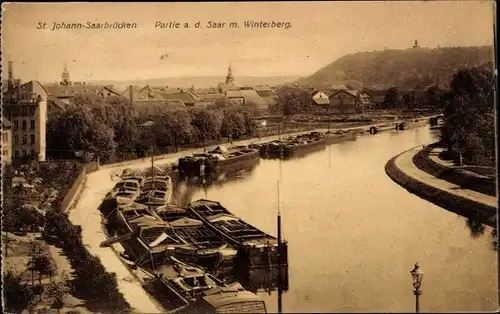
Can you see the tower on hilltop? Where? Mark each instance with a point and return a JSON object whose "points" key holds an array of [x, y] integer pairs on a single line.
{"points": [[416, 44]]}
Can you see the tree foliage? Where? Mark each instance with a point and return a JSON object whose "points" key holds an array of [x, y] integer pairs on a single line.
{"points": [[16, 295], [293, 100], [469, 116]]}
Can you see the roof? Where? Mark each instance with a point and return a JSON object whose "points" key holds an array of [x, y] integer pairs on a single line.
{"points": [[264, 92], [219, 297], [320, 100], [210, 96], [187, 98], [270, 100], [6, 123], [67, 91], [251, 98], [176, 103], [58, 103], [353, 93]]}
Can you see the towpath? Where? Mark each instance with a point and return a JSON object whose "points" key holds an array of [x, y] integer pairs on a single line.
{"points": [[405, 163]]}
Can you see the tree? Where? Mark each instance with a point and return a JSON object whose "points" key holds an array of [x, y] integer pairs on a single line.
{"points": [[78, 129], [206, 123], [233, 124], [293, 100], [468, 115], [36, 249], [392, 98], [57, 290], [24, 218], [16, 295]]}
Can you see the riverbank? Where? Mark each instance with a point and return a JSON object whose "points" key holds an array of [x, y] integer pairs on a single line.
{"points": [[468, 203], [86, 215]]}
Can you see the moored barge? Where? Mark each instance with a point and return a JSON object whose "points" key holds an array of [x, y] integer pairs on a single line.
{"points": [[192, 290], [293, 146], [217, 160], [255, 247]]}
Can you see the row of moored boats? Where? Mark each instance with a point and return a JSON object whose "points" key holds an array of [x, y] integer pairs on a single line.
{"points": [[197, 254]]}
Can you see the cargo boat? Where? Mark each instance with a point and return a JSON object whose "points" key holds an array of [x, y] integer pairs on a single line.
{"points": [[294, 146], [189, 289], [217, 160], [339, 137], [255, 247], [150, 236]]}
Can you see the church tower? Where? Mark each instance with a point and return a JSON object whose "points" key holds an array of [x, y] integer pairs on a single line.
{"points": [[65, 76], [229, 77], [416, 44]]}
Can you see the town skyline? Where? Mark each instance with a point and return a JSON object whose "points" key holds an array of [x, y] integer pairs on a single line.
{"points": [[313, 40]]}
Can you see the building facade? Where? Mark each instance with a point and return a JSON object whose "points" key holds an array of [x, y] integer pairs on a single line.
{"points": [[25, 106], [343, 101], [6, 142]]}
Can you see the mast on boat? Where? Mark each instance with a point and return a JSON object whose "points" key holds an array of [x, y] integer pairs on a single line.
{"points": [[280, 292]]}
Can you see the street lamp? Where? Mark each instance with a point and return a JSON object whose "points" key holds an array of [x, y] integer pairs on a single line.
{"points": [[417, 275], [149, 124]]}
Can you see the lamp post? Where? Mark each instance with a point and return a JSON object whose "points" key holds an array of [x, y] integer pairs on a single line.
{"points": [[149, 124], [417, 275]]}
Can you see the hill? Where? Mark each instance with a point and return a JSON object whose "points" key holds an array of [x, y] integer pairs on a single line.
{"points": [[409, 68], [199, 81]]}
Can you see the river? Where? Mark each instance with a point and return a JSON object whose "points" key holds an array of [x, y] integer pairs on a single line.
{"points": [[354, 234]]}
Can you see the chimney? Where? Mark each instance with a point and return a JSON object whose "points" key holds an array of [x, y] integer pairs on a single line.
{"points": [[11, 71]]}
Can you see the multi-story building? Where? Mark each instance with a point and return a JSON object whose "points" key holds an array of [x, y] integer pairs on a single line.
{"points": [[6, 141], [25, 106]]}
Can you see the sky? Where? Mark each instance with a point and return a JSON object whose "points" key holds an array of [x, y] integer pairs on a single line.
{"points": [[320, 32]]}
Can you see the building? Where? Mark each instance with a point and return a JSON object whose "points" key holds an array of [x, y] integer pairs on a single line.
{"points": [[66, 90], [343, 101], [25, 106], [321, 99], [187, 97], [222, 88], [147, 96], [416, 44], [6, 142], [247, 97]]}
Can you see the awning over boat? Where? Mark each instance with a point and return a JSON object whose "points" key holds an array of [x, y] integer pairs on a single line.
{"points": [[159, 240], [186, 222], [220, 217]]}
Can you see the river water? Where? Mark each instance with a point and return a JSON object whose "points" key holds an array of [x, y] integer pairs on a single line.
{"points": [[354, 235]]}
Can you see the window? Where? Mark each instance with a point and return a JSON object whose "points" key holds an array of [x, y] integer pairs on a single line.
{"points": [[16, 139], [25, 139], [32, 124], [24, 125], [32, 138], [16, 125], [33, 152], [16, 153], [25, 152], [33, 110]]}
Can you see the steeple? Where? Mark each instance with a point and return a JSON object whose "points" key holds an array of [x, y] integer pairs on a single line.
{"points": [[65, 75], [229, 77], [416, 44]]}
